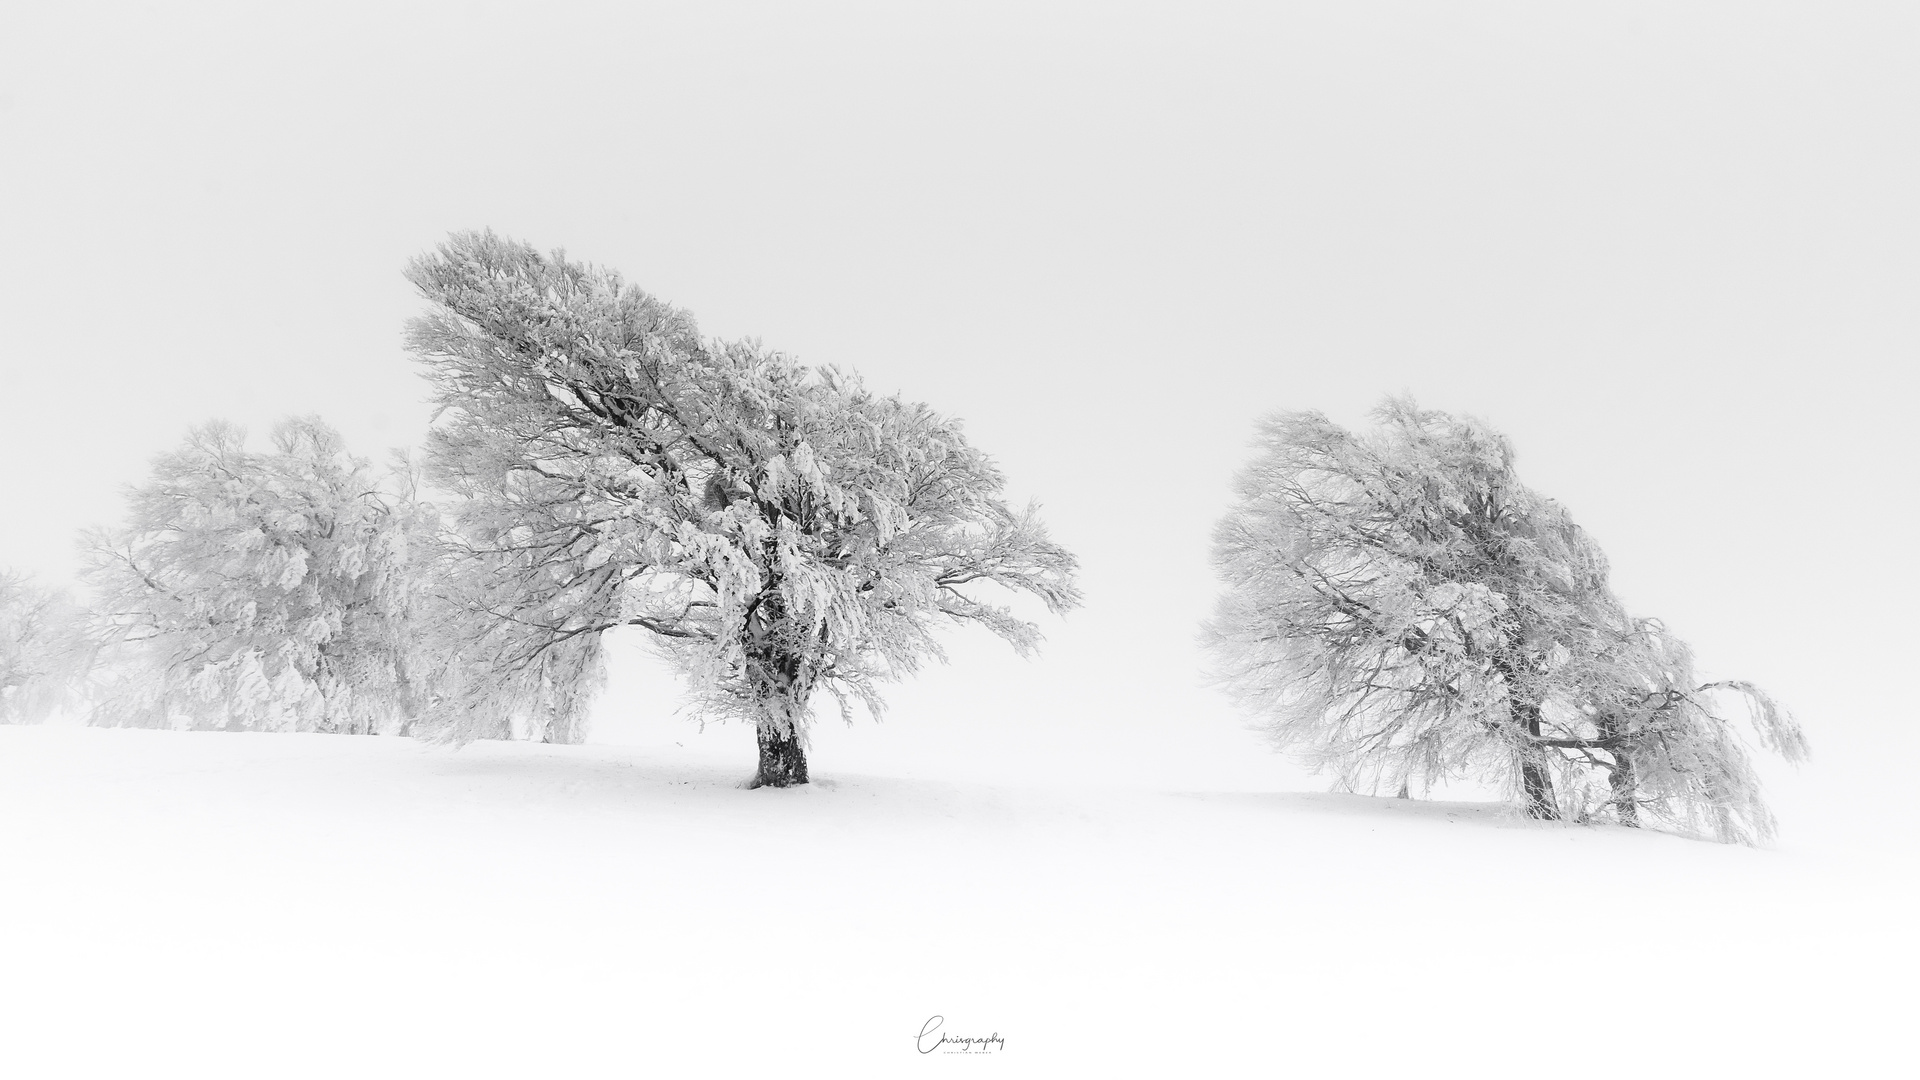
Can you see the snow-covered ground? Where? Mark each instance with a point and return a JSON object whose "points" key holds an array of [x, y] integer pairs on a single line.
{"points": [[274, 905]]}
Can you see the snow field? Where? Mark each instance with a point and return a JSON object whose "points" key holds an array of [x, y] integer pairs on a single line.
{"points": [[218, 904]]}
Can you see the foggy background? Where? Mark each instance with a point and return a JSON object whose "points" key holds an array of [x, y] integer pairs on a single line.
{"points": [[1669, 249]]}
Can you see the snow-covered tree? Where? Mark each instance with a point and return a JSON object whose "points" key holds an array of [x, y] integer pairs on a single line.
{"points": [[1401, 608], [259, 591], [782, 529], [43, 653], [483, 634]]}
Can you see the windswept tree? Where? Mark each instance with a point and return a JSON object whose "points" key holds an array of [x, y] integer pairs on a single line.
{"points": [[1401, 609], [258, 591], [781, 529], [43, 653]]}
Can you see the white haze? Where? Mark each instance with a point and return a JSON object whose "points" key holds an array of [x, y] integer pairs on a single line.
{"points": [[1667, 248]]}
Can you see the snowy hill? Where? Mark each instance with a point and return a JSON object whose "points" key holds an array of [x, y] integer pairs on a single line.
{"points": [[273, 905]]}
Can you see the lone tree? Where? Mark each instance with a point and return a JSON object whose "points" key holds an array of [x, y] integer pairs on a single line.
{"points": [[258, 591], [782, 529], [1399, 607]]}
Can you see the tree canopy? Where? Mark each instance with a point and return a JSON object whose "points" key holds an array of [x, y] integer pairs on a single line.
{"points": [[1401, 609], [259, 591], [780, 528], [43, 655]]}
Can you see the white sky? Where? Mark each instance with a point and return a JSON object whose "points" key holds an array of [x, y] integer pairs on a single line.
{"points": [[1670, 249]]}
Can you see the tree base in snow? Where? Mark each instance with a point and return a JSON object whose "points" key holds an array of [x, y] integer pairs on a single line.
{"points": [[1539, 788], [783, 761]]}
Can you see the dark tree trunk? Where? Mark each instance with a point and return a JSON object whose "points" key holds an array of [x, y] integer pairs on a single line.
{"points": [[1533, 771], [1624, 802], [1539, 785], [782, 683], [783, 761], [1620, 776], [1535, 781]]}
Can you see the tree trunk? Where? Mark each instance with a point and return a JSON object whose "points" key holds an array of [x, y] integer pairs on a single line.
{"points": [[783, 761], [1535, 781], [1622, 779], [781, 681], [1539, 785], [1620, 776], [1533, 772]]}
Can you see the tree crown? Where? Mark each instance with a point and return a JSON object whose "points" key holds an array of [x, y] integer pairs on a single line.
{"points": [[782, 527], [1400, 607]]}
